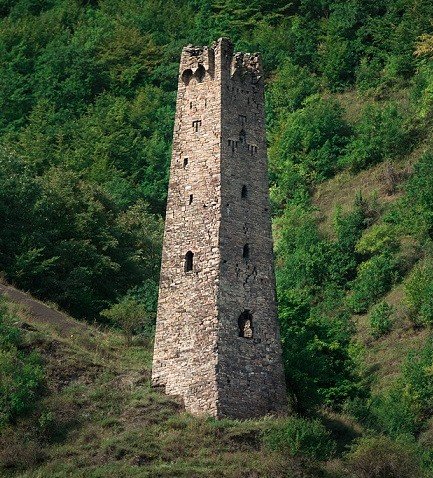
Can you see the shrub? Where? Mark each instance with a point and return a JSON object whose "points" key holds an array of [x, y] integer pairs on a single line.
{"points": [[379, 134], [393, 413], [291, 86], [418, 379], [380, 319], [414, 214], [21, 373], [308, 143], [381, 457], [422, 90], [403, 409], [375, 277], [131, 316], [300, 437], [419, 294], [377, 239]]}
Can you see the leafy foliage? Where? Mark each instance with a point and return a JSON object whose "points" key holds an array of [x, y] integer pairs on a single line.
{"points": [[375, 277], [381, 319], [419, 288], [21, 373], [301, 437], [131, 316], [376, 457]]}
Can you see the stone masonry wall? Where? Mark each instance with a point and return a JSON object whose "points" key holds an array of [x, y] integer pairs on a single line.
{"points": [[218, 210]]}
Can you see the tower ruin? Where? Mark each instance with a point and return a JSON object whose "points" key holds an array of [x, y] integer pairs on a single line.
{"points": [[217, 341]]}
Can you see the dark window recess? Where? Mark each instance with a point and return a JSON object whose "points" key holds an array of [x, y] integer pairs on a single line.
{"points": [[185, 162], [190, 105], [196, 125], [242, 120], [186, 76], [252, 148], [189, 261], [242, 136], [246, 252], [191, 197], [245, 323], [244, 192], [200, 73]]}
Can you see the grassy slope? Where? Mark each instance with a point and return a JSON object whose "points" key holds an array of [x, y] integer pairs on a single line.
{"points": [[102, 418]]}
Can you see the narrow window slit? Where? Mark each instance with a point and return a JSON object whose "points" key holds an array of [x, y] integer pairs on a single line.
{"points": [[245, 323], [189, 261], [246, 252], [244, 192], [191, 197], [185, 162], [196, 125]]}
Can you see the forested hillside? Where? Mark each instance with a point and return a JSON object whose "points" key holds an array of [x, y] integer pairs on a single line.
{"points": [[87, 98]]}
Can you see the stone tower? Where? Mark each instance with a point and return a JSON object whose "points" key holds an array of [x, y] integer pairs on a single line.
{"points": [[217, 341]]}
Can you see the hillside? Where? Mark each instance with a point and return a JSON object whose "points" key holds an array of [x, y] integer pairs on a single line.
{"points": [[87, 98], [98, 415]]}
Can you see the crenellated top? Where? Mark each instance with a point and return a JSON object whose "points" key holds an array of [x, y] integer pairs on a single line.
{"points": [[247, 66], [196, 62], [205, 62]]}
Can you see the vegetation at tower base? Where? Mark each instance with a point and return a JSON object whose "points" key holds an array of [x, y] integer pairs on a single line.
{"points": [[87, 94]]}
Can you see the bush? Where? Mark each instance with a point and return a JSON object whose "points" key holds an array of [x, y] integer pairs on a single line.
{"points": [[418, 379], [381, 457], [404, 408], [422, 90], [379, 134], [21, 373], [291, 86], [132, 317], [377, 239], [419, 294], [307, 144], [393, 413], [380, 319], [375, 278], [300, 437]]}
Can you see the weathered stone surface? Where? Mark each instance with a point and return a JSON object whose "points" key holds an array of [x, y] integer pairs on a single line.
{"points": [[217, 341]]}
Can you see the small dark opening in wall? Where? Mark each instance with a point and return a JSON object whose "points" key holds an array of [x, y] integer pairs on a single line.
{"points": [[244, 192], [196, 125], [200, 73], [245, 323], [185, 162], [186, 76], [191, 197], [246, 252], [189, 261], [242, 136]]}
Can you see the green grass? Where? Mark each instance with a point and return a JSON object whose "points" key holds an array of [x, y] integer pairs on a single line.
{"points": [[102, 418]]}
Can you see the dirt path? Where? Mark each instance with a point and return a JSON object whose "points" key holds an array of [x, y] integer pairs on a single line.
{"points": [[42, 314]]}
